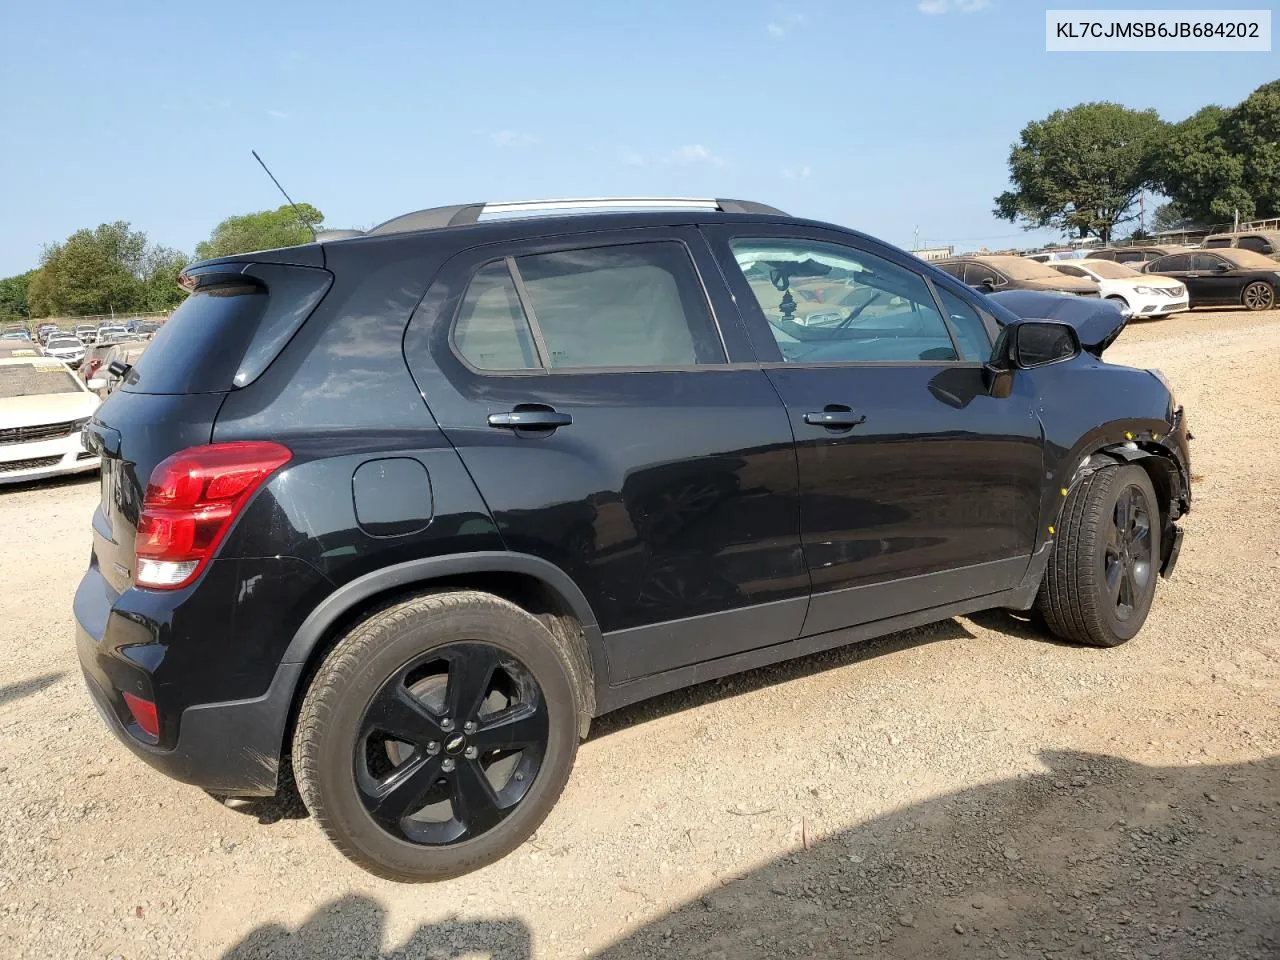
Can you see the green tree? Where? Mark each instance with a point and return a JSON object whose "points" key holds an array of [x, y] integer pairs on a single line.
{"points": [[1080, 170], [160, 290], [92, 271], [1220, 162], [264, 230], [1192, 164], [14, 304]]}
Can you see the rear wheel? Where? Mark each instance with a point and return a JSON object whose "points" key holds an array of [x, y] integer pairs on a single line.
{"points": [[1102, 572], [1259, 295], [437, 735]]}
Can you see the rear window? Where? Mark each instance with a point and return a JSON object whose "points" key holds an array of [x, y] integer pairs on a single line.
{"points": [[226, 333], [35, 379]]}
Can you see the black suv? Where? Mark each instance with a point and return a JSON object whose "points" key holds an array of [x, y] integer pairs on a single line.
{"points": [[407, 509]]}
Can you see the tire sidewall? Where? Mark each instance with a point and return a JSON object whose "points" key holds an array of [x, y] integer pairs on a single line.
{"points": [[1244, 295], [509, 629], [1126, 477]]}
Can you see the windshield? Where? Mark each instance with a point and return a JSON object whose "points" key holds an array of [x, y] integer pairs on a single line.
{"points": [[1020, 268], [1249, 259], [57, 343], [35, 379], [1110, 270]]}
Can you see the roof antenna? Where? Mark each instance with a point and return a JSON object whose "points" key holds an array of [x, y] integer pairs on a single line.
{"points": [[301, 219]]}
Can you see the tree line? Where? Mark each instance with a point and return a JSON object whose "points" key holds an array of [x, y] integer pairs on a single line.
{"points": [[115, 269], [1083, 170]]}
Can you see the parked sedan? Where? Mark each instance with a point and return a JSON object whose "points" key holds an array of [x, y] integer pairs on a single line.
{"points": [[65, 347], [1138, 294], [1135, 256], [991, 273], [42, 409], [87, 332], [1223, 277]]}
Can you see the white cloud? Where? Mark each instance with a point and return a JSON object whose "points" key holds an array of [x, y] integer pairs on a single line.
{"points": [[694, 153], [946, 6], [796, 173], [506, 138], [278, 114], [785, 20]]}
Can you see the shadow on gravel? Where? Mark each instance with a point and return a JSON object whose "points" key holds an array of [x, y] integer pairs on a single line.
{"points": [[1096, 858], [352, 928], [24, 688], [713, 690]]}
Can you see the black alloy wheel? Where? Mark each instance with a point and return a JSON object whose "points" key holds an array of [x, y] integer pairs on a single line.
{"points": [[1128, 566], [1259, 295], [450, 744]]}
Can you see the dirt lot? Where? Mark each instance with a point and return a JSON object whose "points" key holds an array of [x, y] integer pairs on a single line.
{"points": [[971, 789]]}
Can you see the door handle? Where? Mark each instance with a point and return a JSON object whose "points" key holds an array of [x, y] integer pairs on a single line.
{"points": [[536, 419], [835, 418]]}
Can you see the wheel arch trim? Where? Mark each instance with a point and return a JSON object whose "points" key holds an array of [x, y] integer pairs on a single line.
{"points": [[427, 569]]}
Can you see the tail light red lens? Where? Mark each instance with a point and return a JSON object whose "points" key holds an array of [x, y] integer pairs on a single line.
{"points": [[144, 711], [191, 501]]}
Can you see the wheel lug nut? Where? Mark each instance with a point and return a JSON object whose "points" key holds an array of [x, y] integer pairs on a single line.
{"points": [[471, 753], [446, 724], [446, 765], [469, 727], [433, 747]]}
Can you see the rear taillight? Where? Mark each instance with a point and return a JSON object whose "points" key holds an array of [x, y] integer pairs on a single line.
{"points": [[144, 713], [191, 501]]}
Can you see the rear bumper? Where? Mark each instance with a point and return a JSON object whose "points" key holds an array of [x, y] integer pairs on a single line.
{"points": [[230, 747]]}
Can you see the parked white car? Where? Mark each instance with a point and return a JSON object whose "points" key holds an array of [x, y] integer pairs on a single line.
{"points": [[65, 347], [43, 407], [1140, 294]]}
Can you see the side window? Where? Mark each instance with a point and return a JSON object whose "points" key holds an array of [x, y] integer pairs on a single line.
{"points": [[975, 274], [827, 303], [1070, 271], [1206, 261], [1176, 263], [970, 332], [491, 331], [952, 269], [1256, 244], [634, 305], [1213, 242]]}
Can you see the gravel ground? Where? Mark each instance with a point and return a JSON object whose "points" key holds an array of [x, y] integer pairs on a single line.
{"points": [[971, 789]]}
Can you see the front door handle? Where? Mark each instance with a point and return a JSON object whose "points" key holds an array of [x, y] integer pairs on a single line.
{"points": [[835, 417], [542, 418]]}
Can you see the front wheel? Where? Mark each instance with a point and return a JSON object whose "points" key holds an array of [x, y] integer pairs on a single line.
{"points": [[1102, 571], [437, 735], [1258, 295]]}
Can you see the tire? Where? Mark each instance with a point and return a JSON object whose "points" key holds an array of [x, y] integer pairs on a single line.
{"points": [[1085, 588], [1258, 295], [344, 758]]}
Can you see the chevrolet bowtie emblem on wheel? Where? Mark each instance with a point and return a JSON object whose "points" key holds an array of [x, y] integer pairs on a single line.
{"points": [[455, 743]]}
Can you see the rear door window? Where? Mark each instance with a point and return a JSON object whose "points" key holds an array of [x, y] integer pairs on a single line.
{"points": [[1173, 264], [626, 306], [1213, 242]]}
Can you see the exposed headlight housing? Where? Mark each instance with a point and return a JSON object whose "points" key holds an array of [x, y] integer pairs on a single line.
{"points": [[1147, 291]]}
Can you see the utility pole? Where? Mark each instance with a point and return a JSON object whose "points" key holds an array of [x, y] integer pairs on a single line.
{"points": [[1235, 228], [915, 243]]}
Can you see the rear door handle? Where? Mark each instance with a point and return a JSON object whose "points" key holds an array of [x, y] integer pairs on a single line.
{"points": [[530, 419], [835, 418]]}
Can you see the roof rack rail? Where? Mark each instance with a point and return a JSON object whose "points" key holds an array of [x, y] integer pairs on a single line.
{"points": [[452, 216]]}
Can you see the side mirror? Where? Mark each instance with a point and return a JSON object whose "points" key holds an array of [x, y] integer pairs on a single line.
{"points": [[1038, 343], [988, 284], [1220, 268], [97, 383]]}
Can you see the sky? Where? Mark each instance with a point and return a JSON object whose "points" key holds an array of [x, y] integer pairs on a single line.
{"points": [[890, 116]]}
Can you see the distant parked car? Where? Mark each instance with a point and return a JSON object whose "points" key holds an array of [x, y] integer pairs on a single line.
{"points": [[66, 348], [1265, 242], [1223, 277], [45, 331], [87, 332], [112, 331], [991, 273], [1134, 255], [16, 334], [1137, 293], [42, 410]]}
